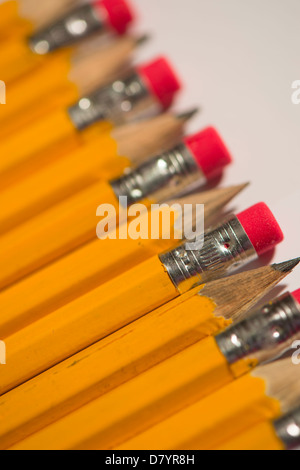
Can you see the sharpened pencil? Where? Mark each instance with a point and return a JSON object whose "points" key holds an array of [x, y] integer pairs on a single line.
{"points": [[72, 223], [21, 55], [92, 265], [151, 87], [24, 16], [104, 158], [131, 295], [60, 82], [131, 351], [162, 391]]}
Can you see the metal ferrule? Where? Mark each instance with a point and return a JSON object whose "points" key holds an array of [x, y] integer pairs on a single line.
{"points": [[288, 430], [264, 334], [222, 251], [121, 102], [69, 29], [161, 178]]}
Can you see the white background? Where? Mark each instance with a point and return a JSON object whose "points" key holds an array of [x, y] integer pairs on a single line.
{"points": [[238, 60]]}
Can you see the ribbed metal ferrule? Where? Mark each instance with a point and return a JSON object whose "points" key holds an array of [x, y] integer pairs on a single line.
{"points": [[288, 430], [69, 29], [120, 102], [264, 334], [161, 178], [222, 251]]}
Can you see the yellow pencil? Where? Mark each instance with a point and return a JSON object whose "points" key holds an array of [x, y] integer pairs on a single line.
{"points": [[22, 55], [59, 82], [151, 87], [72, 223], [262, 395], [105, 157], [92, 265], [136, 293], [131, 351], [174, 385], [281, 434]]}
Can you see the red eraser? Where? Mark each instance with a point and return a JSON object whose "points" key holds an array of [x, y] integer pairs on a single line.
{"points": [[209, 151], [261, 227], [119, 13], [161, 80], [296, 295]]}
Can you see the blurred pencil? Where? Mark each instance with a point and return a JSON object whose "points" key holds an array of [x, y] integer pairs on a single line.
{"points": [[151, 88], [131, 295], [255, 398], [19, 56], [24, 16], [281, 434], [60, 82]]}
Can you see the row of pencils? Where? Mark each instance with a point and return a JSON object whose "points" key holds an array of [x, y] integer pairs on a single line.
{"points": [[116, 342]]}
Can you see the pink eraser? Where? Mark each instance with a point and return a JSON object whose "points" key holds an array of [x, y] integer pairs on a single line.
{"points": [[261, 227], [161, 80], [209, 151], [296, 295], [119, 13]]}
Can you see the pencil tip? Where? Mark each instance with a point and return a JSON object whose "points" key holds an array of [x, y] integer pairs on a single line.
{"points": [[244, 185], [188, 115], [142, 39], [287, 266], [235, 190]]}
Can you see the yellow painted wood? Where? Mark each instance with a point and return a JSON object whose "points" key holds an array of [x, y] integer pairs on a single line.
{"points": [[85, 321], [213, 420], [140, 403], [106, 365]]}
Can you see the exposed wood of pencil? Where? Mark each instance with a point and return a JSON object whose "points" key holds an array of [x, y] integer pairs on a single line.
{"points": [[42, 13], [214, 201], [129, 352], [14, 12], [60, 335], [163, 391], [102, 65], [262, 395], [89, 267]]}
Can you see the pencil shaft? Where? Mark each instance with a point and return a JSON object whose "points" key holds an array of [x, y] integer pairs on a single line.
{"points": [[260, 437], [59, 180], [211, 421], [51, 76], [127, 353], [159, 392], [85, 321], [35, 138], [16, 59], [74, 275], [54, 233]]}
